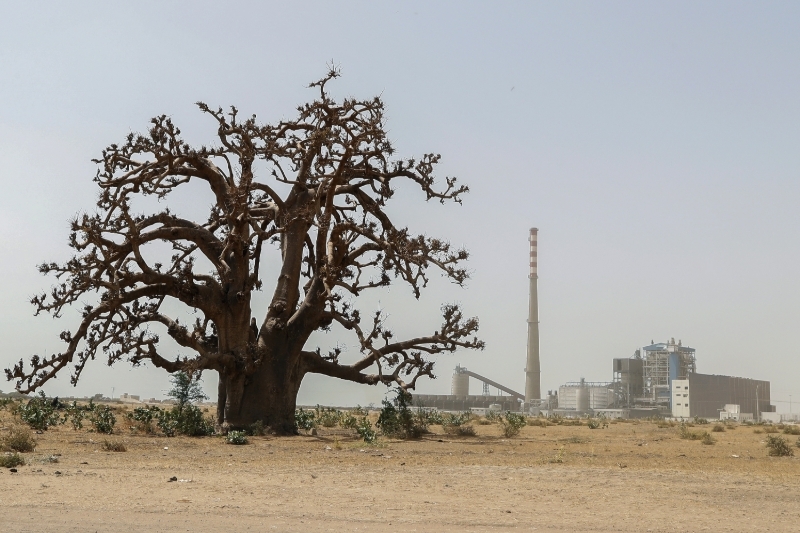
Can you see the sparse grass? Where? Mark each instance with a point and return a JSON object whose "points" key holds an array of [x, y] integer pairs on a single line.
{"points": [[485, 422], [665, 424], [707, 439], [574, 440], [20, 439], [540, 422], [114, 446], [778, 447], [758, 431], [718, 428], [10, 460]]}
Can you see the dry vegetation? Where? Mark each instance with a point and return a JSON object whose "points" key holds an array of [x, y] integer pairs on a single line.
{"points": [[445, 480]]}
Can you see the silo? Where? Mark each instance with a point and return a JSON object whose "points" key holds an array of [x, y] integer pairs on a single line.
{"points": [[460, 385]]}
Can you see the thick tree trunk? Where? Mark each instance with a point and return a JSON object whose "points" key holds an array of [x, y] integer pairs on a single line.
{"points": [[269, 395]]}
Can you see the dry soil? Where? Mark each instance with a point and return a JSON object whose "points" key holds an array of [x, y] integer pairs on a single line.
{"points": [[628, 477]]}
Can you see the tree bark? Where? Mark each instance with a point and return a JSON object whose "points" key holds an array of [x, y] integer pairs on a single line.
{"points": [[268, 395]]}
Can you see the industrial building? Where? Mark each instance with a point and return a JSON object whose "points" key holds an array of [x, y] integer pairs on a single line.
{"points": [[706, 396]]}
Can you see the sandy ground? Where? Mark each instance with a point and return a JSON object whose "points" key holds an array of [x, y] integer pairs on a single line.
{"points": [[628, 477]]}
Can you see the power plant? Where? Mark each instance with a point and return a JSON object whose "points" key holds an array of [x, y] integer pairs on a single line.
{"points": [[660, 379]]}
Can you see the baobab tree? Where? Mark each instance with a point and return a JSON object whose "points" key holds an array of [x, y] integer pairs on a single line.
{"points": [[313, 189]]}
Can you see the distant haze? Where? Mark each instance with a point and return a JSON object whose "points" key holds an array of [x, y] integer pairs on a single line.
{"points": [[654, 145]]}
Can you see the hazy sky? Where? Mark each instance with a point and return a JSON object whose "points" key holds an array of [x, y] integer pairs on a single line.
{"points": [[655, 145]]}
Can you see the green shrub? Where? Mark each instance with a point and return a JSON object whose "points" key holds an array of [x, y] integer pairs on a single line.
{"points": [[770, 429], [707, 439], [452, 422], [700, 421], [11, 460], [512, 423], [102, 418], [144, 417], [365, 430], [327, 417], [791, 430], [397, 420], [167, 422], [39, 413], [494, 416], [236, 437], [718, 428], [466, 431], [75, 414], [348, 421], [778, 447], [304, 419], [594, 423], [19, 439], [192, 423]]}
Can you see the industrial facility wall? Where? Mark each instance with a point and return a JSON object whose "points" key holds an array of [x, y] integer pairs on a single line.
{"points": [[449, 402], [708, 394]]}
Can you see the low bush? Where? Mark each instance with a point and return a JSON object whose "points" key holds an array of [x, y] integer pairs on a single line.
{"points": [[594, 423], [365, 430], [19, 439], [791, 430], [718, 428], [700, 421], [684, 433], [11, 460], [466, 431], [114, 446], [304, 419], [770, 429], [144, 416], [39, 413], [102, 418], [397, 420], [778, 447], [452, 422], [327, 417], [236, 437], [348, 420], [188, 421], [494, 417], [75, 414], [707, 439], [512, 424], [539, 422]]}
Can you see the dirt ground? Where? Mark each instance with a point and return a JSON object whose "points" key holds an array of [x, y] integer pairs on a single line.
{"points": [[628, 477]]}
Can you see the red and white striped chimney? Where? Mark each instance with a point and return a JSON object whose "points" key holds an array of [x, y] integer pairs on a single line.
{"points": [[533, 237]]}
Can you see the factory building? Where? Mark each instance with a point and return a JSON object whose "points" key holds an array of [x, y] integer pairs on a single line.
{"points": [[706, 396], [583, 396], [661, 364]]}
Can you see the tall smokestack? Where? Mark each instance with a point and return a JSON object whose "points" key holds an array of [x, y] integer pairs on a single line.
{"points": [[532, 370]]}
